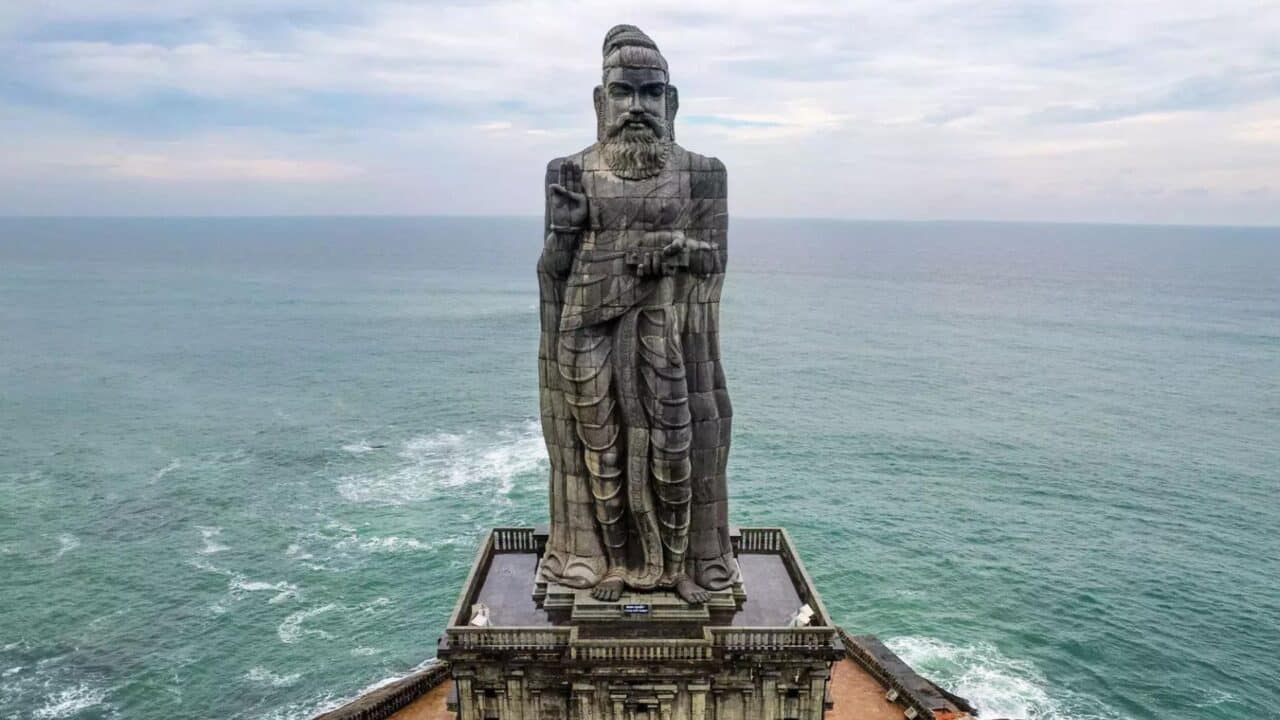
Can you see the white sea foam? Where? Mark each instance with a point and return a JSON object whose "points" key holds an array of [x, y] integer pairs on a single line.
{"points": [[445, 461], [66, 543], [296, 552], [390, 544], [69, 701], [284, 590], [360, 448], [159, 475], [290, 629], [306, 710], [1000, 687], [238, 584], [263, 676], [211, 546], [366, 651], [1214, 696]]}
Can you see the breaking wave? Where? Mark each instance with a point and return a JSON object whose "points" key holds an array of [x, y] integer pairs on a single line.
{"points": [[211, 546], [159, 474], [445, 461], [263, 676], [998, 686], [238, 584], [68, 702], [390, 544], [66, 543], [290, 630]]}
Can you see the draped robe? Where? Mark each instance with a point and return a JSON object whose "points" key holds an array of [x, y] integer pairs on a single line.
{"points": [[589, 286]]}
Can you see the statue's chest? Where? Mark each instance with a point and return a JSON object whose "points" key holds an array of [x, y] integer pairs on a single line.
{"points": [[659, 203]]}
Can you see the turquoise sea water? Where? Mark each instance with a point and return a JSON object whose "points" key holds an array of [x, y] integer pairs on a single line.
{"points": [[244, 464]]}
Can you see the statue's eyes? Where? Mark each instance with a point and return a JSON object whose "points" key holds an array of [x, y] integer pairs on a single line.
{"points": [[654, 90], [618, 91]]}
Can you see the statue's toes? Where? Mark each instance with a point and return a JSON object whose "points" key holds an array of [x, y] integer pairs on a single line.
{"points": [[607, 591]]}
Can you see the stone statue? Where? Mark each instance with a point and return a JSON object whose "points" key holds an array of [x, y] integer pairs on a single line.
{"points": [[634, 408]]}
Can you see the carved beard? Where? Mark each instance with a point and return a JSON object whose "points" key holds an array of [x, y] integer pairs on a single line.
{"points": [[636, 153]]}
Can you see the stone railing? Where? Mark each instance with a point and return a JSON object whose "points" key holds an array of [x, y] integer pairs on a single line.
{"points": [[716, 640], [640, 650], [514, 540], [383, 702], [509, 638], [761, 540], [780, 638]]}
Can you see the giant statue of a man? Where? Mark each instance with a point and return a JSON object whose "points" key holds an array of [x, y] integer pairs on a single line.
{"points": [[634, 406]]}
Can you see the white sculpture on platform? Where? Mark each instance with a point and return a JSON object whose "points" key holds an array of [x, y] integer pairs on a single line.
{"points": [[480, 615], [802, 617]]}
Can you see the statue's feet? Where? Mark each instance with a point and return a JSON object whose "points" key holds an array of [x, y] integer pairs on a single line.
{"points": [[691, 592], [608, 590]]}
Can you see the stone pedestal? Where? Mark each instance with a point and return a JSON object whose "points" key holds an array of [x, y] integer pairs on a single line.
{"points": [[555, 653]]}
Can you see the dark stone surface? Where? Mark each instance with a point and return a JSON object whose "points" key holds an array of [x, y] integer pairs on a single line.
{"points": [[507, 585], [507, 589], [635, 409], [772, 597]]}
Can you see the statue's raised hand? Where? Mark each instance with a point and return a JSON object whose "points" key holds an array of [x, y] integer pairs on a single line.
{"points": [[568, 201]]}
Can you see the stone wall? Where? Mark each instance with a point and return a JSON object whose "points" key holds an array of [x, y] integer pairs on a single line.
{"points": [[383, 702]]}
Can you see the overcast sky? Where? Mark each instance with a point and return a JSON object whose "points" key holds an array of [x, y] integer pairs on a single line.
{"points": [[1102, 110]]}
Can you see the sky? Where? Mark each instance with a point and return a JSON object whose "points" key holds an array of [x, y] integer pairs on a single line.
{"points": [[1090, 111]]}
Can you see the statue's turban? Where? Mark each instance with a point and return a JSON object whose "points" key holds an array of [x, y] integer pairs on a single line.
{"points": [[628, 46]]}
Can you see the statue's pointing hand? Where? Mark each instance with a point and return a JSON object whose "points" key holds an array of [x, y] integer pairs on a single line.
{"points": [[568, 201]]}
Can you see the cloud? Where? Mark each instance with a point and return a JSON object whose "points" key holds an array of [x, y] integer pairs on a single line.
{"points": [[962, 108], [218, 169]]}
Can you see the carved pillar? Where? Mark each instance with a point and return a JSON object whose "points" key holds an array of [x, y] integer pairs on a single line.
{"points": [[586, 695], [515, 696], [788, 705], [698, 701], [535, 704], [666, 702], [499, 703], [619, 701], [769, 695], [466, 700], [817, 693]]}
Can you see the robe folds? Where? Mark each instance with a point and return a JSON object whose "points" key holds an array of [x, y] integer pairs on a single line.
{"points": [[587, 290]]}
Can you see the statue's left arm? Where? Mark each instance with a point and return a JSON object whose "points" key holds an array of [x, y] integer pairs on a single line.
{"points": [[709, 252]]}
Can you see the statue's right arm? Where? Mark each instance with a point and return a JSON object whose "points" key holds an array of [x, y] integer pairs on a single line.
{"points": [[559, 242]]}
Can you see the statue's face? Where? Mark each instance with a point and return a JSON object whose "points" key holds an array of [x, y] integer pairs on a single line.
{"points": [[635, 102]]}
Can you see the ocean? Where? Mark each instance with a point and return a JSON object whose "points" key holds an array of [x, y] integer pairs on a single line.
{"points": [[245, 463]]}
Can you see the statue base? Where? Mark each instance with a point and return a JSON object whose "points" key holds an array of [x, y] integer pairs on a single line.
{"points": [[548, 652], [642, 609], [542, 651]]}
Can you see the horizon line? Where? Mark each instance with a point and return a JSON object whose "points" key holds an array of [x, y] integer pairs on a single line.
{"points": [[390, 216]]}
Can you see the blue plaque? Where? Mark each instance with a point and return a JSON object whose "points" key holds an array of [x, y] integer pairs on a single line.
{"points": [[636, 609]]}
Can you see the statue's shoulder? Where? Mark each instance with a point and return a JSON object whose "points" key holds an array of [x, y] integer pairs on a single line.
{"points": [[707, 177], [584, 159], [699, 163]]}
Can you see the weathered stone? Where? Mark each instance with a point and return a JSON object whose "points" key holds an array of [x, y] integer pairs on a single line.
{"points": [[629, 365]]}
